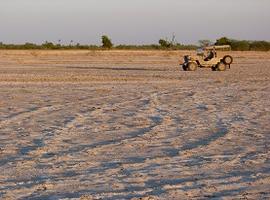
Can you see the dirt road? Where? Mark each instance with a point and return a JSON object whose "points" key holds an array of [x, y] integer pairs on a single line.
{"points": [[132, 124]]}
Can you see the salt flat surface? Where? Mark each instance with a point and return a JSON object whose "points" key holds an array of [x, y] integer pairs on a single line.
{"points": [[131, 125]]}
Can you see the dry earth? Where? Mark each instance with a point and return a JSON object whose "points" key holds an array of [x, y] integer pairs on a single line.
{"points": [[132, 125]]}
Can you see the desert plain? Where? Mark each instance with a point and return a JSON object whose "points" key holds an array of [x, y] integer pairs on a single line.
{"points": [[132, 125]]}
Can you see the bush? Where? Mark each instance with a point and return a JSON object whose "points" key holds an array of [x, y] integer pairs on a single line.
{"points": [[260, 46], [106, 42], [205, 43], [30, 46], [240, 45], [244, 45], [223, 41], [48, 45], [165, 44], [185, 47]]}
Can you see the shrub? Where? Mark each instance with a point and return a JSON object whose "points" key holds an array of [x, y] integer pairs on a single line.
{"points": [[165, 44], [30, 46], [106, 42], [244, 45], [223, 41], [260, 46], [241, 45], [205, 43], [48, 45]]}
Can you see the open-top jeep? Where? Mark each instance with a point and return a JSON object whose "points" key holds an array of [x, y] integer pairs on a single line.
{"points": [[208, 57]]}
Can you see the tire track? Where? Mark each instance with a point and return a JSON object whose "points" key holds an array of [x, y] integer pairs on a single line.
{"points": [[222, 130], [41, 142], [173, 153], [38, 110], [25, 114], [69, 124], [155, 118]]}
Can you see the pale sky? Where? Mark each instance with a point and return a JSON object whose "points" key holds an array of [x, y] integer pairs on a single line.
{"points": [[132, 21]]}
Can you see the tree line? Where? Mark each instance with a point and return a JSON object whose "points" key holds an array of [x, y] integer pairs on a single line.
{"points": [[244, 45], [163, 44]]}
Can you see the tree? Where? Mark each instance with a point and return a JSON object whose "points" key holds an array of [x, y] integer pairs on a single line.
{"points": [[260, 46], [240, 45], [30, 46], [48, 45], [164, 43], [106, 42], [205, 43], [223, 41]]}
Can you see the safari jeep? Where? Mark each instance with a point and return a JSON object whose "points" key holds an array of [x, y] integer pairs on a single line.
{"points": [[208, 58]]}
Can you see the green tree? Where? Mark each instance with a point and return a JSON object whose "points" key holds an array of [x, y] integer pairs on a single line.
{"points": [[260, 46], [30, 46], [205, 43], [223, 41], [48, 45], [106, 42], [240, 45], [164, 43]]}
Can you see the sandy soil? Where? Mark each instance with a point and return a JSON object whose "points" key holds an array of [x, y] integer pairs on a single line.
{"points": [[132, 125]]}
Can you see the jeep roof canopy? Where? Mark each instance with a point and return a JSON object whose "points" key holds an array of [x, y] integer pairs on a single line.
{"points": [[221, 47]]}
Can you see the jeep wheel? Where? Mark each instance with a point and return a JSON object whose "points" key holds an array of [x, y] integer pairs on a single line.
{"points": [[184, 66], [227, 60], [221, 66], [192, 66]]}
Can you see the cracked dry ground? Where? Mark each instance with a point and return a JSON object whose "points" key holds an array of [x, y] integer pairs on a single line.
{"points": [[131, 125]]}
